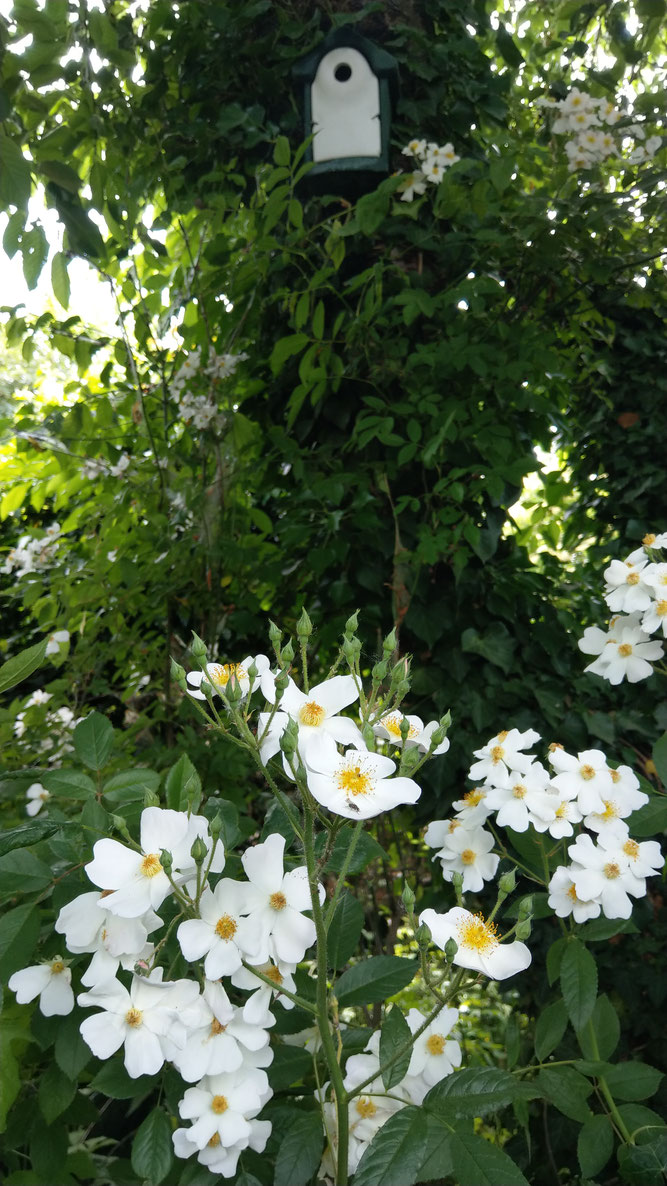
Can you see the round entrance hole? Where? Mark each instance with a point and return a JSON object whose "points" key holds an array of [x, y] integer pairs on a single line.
{"points": [[342, 72]]}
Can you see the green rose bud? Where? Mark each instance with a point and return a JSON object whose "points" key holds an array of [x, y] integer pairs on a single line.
{"points": [[408, 899], [451, 948], [275, 635], [197, 647], [379, 672], [423, 936], [215, 826], [304, 626], [199, 850], [151, 799], [177, 673], [166, 860], [523, 929], [352, 624], [389, 645], [287, 654], [507, 883], [525, 908]]}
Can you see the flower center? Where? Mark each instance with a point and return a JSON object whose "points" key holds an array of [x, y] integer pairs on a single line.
{"points": [[221, 673], [587, 772], [648, 539], [214, 1141], [472, 798], [435, 1044], [278, 901], [610, 810], [503, 734], [365, 1107], [275, 975], [497, 753], [660, 609], [611, 870], [312, 713], [631, 849], [219, 1104], [572, 894], [150, 866], [632, 578], [625, 649], [134, 1018], [519, 791], [477, 934], [561, 811], [615, 776], [468, 856], [353, 781], [217, 1028], [57, 967], [225, 927]]}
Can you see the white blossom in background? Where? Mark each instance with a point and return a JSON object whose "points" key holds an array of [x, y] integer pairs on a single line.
{"points": [[434, 1055], [218, 1037], [433, 160], [50, 981], [222, 1105], [504, 752], [56, 642], [473, 809], [588, 120], [274, 903], [519, 797], [119, 469], [601, 872], [37, 796], [33, 553], [468, 851], [388, 728], [587, 776], [256, 1011], [218, 676]]}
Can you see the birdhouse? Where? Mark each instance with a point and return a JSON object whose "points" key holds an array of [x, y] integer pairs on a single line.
{"points": [[348, 85]]}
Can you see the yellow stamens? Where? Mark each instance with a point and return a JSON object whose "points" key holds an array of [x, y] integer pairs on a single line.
{"points": [[625, 649], [468, 856], [219, 1104], [497, 753], [221, 673], [561, 811], [610, 810], [435, 1044], [353, 781], [134, 1017], [611, 870], [214, 1141], [587, 772], [477, 934], [312, 713], [365, 1107], [217, 1028], [150, 866], [277, 901], [661, 609], [648, 540], [572, 894], [632, 578], [519, 791], [631, 849], [472, 798], [274, 974], [226, 927], [57, 967]]}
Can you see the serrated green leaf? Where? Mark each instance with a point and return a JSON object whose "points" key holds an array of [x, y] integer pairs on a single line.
{"points": [[93, 740], [374, 979], [595, 1145], [19, 932], [394, 1034], [479, 1163], [68, 784], [23, 872], [56, 1093], [344, 930], [300, 1151], [567, 1090], [578, 982], [26, 835], [60, 279], [606, 1030], [114, 1081], [182, 785], [644, 1165], [396, 1151], [633, 1080], [15, 670], [549, 1029], [475, 1091], [72, 1054], [14, 174], [152, 1149]]}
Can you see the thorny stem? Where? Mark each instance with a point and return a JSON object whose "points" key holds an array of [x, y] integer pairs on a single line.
{"points": [[328, 1046]]}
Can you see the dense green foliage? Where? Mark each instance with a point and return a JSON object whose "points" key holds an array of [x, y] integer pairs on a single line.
{"points": [[395, 367]]}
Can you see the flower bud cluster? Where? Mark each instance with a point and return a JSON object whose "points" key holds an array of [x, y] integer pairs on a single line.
{"points": [[636, 591]]}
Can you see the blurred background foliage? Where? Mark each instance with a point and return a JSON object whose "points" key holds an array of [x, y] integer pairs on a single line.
{"points": [[447, 414]]}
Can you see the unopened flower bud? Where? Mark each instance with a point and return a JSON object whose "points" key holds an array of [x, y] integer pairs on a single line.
{"points": [[457, 882], [275, 636], [177, 673], [287, 654], [141, 968], [282, 681], [446, 722], [215, 826], [408, 897], [368, 736], [351, 650], [389, 645], [198, 648], [423, 936], [402, 689], [120, 824], [451, 948], [379, 672], [404, 729], [523, 929], [398, 673], [206, 689], [199, 850], [525, 908], [352, 624], [233, 690], [304, 626], [151, 799], [166, 860], [507, 883], [252, 673], [288, 739]]}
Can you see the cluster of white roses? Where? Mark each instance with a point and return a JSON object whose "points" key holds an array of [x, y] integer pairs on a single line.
{"points": [[357, 784], [221, 1047], [581, 789], [202, 411], [435, 1055], [433, 160], [589, 121], [636, 591], [33, 553]]}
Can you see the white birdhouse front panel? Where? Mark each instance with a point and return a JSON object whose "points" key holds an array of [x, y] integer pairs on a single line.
{"points": [[345, 107]]}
